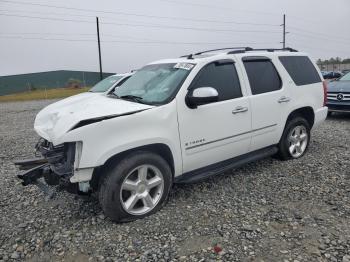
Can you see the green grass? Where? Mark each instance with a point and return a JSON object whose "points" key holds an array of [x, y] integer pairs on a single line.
{"points": [[43, 94]]}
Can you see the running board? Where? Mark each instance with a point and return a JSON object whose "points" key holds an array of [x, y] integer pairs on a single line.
{"points": [[218, 168]]}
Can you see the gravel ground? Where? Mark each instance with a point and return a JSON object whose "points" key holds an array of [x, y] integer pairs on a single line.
{"points": [[266, 211]]}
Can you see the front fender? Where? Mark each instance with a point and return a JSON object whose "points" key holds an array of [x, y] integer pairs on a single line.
{"points": [[104, 139]]}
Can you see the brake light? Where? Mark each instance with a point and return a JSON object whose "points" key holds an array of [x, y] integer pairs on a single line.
{"points": [[324, 92]]}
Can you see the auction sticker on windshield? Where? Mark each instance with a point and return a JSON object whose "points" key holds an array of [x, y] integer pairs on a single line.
{"points": [[186, 66]]}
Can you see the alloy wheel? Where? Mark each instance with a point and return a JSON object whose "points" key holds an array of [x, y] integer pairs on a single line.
{"points": [[142, 189], [298, 139]]}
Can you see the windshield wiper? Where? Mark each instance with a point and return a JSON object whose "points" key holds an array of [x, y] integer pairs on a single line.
{"points": [[127, 97], [132, 98]]}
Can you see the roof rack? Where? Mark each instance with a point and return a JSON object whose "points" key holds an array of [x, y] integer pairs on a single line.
{"points": [[220, 49], [190, 56], [237, 50], [264, 49]]}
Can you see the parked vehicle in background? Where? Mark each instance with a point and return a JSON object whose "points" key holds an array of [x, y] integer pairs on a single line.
{"points": [[345, 71], [108, 84], [102, 88], [332, 75], [324, 73], [178, 121], [338, 95]]}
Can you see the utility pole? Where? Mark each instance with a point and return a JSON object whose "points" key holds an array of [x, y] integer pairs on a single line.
{"points": [[284, 31], [99, 47]]}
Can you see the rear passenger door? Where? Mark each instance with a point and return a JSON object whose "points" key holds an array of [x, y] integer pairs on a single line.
{"points": [[269, 100], [218, 131]]}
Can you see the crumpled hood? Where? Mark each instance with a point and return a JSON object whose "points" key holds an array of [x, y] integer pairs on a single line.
{"points": [[339, 86], [58, 118]]}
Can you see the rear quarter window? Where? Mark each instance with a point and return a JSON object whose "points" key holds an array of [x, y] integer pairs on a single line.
{"points": [[300, 69]]}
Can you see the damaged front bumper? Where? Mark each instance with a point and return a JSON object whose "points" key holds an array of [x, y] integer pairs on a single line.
{"points": [[55, 165]]}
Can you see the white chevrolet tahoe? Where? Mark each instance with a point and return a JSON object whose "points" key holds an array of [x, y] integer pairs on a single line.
{"points": [[177, 121]]}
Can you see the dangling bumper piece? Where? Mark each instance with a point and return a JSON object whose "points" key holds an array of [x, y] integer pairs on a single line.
{"points": [[55, 165]]}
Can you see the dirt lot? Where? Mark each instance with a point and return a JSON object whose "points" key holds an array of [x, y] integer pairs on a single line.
{"points": [[266, 211]]}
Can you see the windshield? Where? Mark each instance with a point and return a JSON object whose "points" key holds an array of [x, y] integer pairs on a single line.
{"points": [[345, 77], [155, 84], [105, 84]]}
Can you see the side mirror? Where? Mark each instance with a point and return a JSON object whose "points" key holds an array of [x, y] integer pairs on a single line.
{"points": [[202, 96]]}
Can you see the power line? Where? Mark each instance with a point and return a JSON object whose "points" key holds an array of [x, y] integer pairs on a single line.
{"points": [[132, 42], [150, 16], [191, 28], [140, 15], [49, 33], [309, 34], [238, 10], [47, 18], [317, 33], [50, 13], [45, 13], [123, 23], [320, 49], [320, 37], [306, 20], [48, 39], [218, 7], [310, 21], [146, 25], [43, 35]]}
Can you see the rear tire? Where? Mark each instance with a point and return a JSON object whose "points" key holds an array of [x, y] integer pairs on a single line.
{"points": [[295, 139], [135, 187]]}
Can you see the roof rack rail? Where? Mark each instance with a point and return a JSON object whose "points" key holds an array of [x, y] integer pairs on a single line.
{"points": [[237, 50], [220, 49], [190, 56], [264, 49], [275, 49]]}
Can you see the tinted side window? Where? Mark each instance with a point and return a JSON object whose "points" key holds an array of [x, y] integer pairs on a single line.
{"points": [[262, 76], [301, 70], [221, 76]]}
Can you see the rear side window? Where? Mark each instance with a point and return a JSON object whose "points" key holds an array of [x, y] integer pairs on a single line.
{"points": [[222, 76], [300, 69], [262, 75]]}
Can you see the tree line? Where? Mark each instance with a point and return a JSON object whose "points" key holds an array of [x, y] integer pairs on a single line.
{"points": [[332, 60]]}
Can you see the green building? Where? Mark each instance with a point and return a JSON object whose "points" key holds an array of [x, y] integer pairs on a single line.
{"points": [[47, 80]]}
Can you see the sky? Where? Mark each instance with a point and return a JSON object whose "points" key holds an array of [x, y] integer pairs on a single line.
{"points": [[44, 35]]}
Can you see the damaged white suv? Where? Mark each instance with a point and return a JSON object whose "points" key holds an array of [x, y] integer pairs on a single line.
{"points": [[179, 120]]}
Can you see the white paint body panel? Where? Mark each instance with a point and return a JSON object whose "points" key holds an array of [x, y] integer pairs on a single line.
{"points": [[55, 121], [225, 134], [221, 134], [267, 113]]}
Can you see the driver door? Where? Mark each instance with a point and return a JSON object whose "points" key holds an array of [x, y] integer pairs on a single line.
{"points": [[217, 131]]}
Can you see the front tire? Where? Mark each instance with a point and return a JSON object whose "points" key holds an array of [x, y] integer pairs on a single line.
{"points": [[295, 139], [135, 187]]}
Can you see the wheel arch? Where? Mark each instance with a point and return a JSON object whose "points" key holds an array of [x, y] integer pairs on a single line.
{"points": [[308, 115], [160, 149], [306, 112]]}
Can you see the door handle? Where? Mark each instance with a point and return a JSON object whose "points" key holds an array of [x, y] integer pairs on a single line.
{"points": [[283, 99], [240, 109]]}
